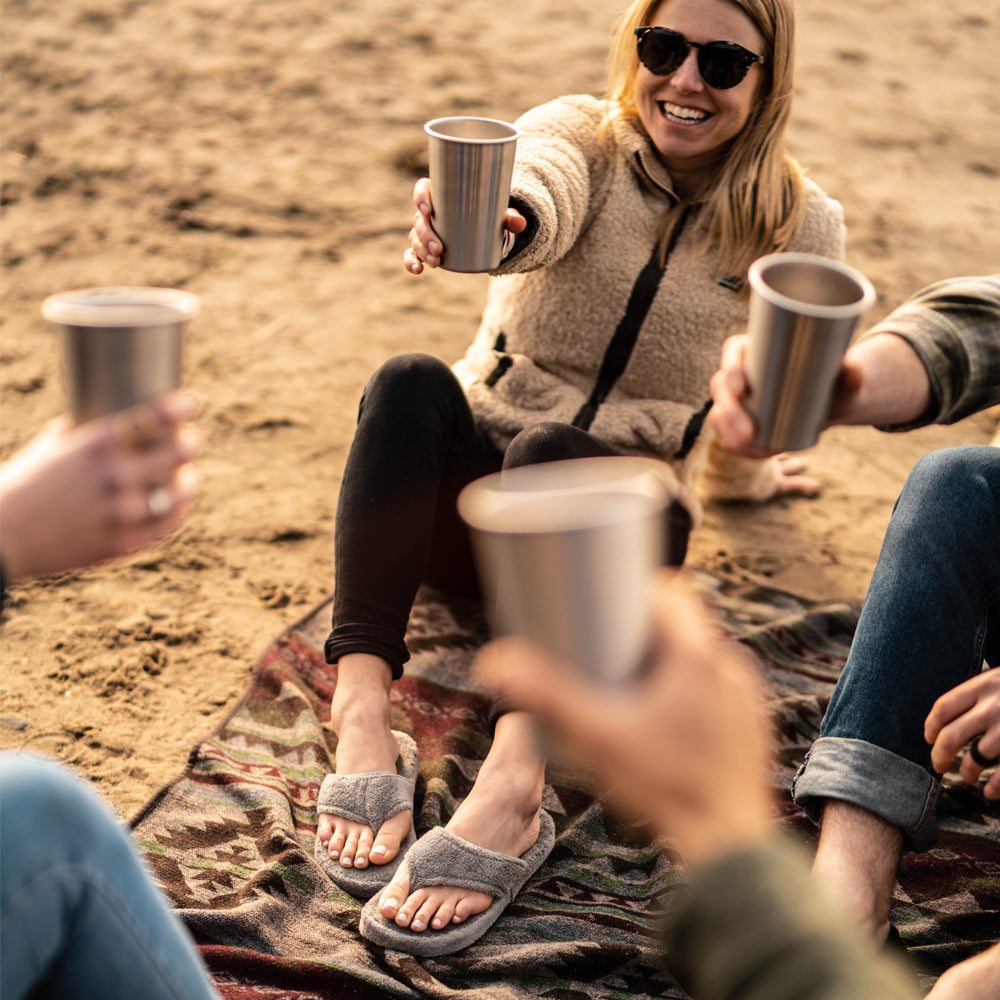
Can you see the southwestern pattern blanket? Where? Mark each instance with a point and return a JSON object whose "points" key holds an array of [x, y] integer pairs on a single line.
{"points": [[231, 839]]}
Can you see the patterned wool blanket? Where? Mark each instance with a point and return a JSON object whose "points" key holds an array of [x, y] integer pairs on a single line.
{"points": [[231, 840]]}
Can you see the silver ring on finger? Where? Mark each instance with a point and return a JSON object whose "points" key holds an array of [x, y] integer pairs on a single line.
{"points": [[159, 502], [979, 757]]}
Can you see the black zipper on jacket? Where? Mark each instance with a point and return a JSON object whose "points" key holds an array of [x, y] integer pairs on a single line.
{"points": [[619, 350]]}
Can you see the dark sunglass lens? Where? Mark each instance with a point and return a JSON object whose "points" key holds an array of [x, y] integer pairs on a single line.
{"points": [[722, 67], [661, 52]]}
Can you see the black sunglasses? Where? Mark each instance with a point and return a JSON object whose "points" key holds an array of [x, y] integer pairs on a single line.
{"points": [[722, 64]]}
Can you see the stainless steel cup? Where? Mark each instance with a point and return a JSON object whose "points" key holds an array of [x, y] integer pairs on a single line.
{"points": [[565, 552], [120, 346], [803, 311], [471, 160]]}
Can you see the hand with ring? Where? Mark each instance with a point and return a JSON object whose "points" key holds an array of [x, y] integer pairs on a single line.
{"points": [[425, 245], [79, 495], [968, 715]]}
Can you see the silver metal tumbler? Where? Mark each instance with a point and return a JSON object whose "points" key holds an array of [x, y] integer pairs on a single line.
{"points": [[565, 552], [120, 345], [803, 311], [471, 161]]}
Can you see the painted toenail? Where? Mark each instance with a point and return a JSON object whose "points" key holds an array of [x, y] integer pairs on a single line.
{"points": [[380, 850]]}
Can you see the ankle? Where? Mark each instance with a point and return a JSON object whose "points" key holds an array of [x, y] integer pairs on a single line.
{"points": [[361, 697], [516, 773], [857, 859], [861, 902]]}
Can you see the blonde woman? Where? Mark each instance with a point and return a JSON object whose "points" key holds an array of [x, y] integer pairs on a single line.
{"points": [[633, 220]]}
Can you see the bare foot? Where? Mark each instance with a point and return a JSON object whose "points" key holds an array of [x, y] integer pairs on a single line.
{"points": [[365, 744], [501, 814]]}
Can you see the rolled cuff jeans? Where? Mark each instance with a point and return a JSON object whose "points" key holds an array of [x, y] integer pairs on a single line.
{"points": [[929, 621], [80, 915]]}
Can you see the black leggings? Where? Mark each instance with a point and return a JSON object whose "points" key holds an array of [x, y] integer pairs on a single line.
{"points": [[416, 446]]}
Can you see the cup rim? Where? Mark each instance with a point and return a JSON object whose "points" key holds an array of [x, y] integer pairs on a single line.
{"points": [[510, 132], [865, 299], [482, 499], [117, 305]]}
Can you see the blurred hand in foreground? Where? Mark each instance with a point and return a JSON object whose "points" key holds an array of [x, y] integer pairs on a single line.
{"points": [[684, 748], [425, 244], [80, 495]]}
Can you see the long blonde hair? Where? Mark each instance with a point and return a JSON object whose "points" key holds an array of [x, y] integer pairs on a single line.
{"points": [[756, 201]]}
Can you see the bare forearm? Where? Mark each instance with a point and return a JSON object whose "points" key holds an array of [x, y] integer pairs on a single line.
{"points": [[891, 384]]}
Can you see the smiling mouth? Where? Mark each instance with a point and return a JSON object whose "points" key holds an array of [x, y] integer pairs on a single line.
{"points": [[682, 116]]}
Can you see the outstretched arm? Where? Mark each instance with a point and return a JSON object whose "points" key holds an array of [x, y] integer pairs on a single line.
{"points": [[882, 381]]}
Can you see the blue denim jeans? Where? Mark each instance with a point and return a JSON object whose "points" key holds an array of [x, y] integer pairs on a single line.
{"points": [[79, 914], [930, 619]]}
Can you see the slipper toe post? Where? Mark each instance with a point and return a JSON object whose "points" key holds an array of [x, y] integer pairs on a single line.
{"points": [[441, 858], [369, 799]]}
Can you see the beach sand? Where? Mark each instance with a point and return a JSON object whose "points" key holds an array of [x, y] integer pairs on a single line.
{"points": [[263, 156]]}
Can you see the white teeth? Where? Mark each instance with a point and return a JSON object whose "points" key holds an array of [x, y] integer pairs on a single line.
{"points": [[685, 114]]}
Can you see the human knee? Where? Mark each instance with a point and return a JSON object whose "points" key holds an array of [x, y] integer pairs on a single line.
{"points": [[409, 386], [953, 486], [36, 787], [545, 442], [410, 374], [50, 817]]}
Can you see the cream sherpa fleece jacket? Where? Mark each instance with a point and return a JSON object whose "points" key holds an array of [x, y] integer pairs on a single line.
{"points": [[553, 305]]}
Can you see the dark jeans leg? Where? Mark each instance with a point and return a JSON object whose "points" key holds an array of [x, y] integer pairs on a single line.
{"points": [[416, 446]]}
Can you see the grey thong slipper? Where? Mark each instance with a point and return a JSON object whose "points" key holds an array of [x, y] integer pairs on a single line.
{"points": [[370, 799], [442, 858]]}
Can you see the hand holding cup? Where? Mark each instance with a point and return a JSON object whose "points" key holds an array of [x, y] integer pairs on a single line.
{"points": [[471, 160], [685, 749], [117, 476], [803, 311], [81, 494], [425, 245]]}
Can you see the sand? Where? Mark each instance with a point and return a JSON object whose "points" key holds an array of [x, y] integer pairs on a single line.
{"points": [[263, 155]]}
